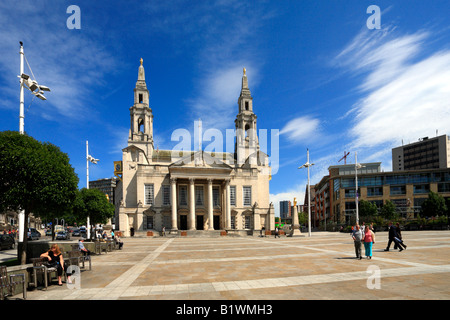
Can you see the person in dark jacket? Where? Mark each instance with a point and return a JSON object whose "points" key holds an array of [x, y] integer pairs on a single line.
{"points": [[393, 237]]}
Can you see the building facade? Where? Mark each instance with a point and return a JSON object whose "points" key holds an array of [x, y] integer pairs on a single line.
{"points": [[285, 210], [192, 190], [406, 189], [428, 153]]}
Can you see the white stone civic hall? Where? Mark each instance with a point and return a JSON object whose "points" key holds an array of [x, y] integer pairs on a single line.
{"points": [[194, 190]]}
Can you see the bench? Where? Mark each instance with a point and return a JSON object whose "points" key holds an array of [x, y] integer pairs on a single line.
{"points": [[9, 284], [39, 267], [110, 245], [100, 246], [79, 257]]}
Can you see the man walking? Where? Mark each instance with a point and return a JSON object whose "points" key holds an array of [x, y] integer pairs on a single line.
{"points": [[393, 237], [357, 237]]}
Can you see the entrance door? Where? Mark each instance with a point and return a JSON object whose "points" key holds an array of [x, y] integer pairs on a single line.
{"points": [[216, 222], [199, 222], [183, 222]]}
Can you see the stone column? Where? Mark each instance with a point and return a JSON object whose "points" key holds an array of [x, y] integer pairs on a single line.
{"points": [[210, 206], [191, 217], [228, 205], [295, 224], [173, 200]]}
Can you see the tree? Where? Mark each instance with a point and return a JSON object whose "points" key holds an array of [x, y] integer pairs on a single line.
{"points": [[434, 205], [303, 218], [35, 177], [92, 203], [367, 209], [388, 211]]}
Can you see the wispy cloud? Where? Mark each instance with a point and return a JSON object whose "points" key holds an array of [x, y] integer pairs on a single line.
{"points": [[405, 93], [302, 128]]}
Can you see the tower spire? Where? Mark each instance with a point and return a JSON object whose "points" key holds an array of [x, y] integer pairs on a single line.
{"points": [[141, 73], [245, 91]]}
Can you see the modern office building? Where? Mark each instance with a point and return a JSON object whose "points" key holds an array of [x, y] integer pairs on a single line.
{"points": [[107, 186], [427, 153], [285, 209], [335, 197]]}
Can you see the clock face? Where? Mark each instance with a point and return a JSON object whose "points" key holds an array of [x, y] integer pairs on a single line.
{"points": [[117, 167]]}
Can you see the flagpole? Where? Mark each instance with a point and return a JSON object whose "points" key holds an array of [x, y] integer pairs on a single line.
{"points": [[87, 187]]}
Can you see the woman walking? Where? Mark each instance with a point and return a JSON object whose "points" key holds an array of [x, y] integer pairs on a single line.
{"points": [[369, 240]]}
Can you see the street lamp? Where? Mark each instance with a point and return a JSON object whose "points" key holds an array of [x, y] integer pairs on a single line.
{"points": [[91, 159], [307, 165], [37, 91], [357, 166]]}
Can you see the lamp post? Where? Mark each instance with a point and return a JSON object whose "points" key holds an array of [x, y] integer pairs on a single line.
{"points": [[307, 165], [357, 166], [89, 158], [36, 90]]}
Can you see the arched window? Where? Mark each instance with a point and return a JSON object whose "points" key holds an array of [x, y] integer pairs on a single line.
{"points": [[141, 125]]}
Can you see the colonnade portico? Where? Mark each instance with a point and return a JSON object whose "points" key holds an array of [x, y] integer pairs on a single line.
{"points": [[192, 182]]}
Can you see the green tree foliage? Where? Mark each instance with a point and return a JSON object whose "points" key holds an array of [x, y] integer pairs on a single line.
{"points": [[92, 203], [367, 209], [388, 211], [434, 205], [35, 177]]}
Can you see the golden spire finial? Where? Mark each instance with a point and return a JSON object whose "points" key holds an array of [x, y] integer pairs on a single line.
{"points": [[244, 71], [142, 61]]}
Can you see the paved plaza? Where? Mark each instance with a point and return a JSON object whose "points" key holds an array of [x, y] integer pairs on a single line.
{"points": [[254, 268]]}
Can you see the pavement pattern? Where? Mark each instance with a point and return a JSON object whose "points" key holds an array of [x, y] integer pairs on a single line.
{"points": [[320, 267]]}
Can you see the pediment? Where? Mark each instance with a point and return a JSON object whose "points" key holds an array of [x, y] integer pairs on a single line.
{"points": [[201, 160]]}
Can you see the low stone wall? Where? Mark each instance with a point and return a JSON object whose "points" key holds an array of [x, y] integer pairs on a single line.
{"points": [[35, 249]]}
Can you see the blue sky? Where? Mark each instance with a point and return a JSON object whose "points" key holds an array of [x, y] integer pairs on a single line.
{"points": [[316, 72]]}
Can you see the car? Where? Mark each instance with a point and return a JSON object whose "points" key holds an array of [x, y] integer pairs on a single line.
{"points": [[33, 234], [62, 235], [83, 232], [48, 232], [7, 242], [76, 232]]}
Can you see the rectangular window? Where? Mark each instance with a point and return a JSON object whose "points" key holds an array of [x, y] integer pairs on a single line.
{"points": [[396, 190], [166, 195], [216, 197], [149, 222], [421, 188], [199, 196], [149, 194], [233, 222], [183, 195], [443, 187], [233, 195], [374, 191], [247, 196], [247, 222]]}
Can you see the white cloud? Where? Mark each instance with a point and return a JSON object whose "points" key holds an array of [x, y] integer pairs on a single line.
{"points": [[297, 191], [406, 95], [301, 128]]}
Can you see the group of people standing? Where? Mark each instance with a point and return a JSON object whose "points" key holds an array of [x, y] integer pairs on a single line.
{"points": [[363, 235], [366, 234]]}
